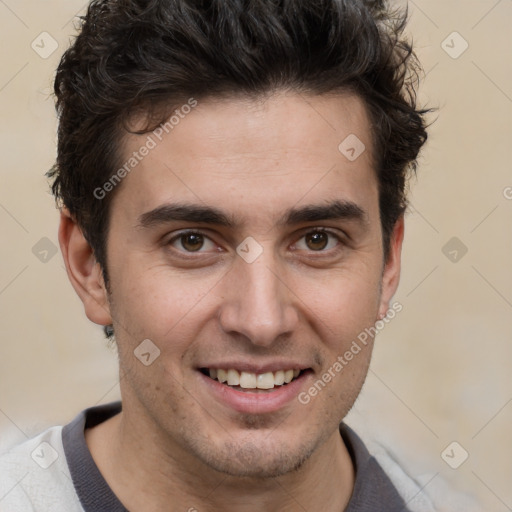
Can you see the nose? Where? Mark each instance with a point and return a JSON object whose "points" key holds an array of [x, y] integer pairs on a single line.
{"points": [[257, 302]]}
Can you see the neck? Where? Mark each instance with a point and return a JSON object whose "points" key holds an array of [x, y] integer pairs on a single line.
{"points": [[148, 473]]}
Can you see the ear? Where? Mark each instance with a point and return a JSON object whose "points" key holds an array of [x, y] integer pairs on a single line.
{"points": [[391, 273], [83, 270]]}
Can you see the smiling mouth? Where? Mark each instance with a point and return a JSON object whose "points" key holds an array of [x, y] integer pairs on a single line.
{"points": [[247, 381]]}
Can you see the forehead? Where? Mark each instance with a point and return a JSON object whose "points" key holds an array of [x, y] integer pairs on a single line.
{"points": [[253, 155]]}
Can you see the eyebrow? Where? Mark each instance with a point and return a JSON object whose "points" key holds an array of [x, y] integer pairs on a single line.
{"points": [[184, 212], [334, 210]]}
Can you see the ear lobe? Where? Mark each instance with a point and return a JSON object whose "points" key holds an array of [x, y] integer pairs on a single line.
{"points": [[83, 270], [391, 274]]}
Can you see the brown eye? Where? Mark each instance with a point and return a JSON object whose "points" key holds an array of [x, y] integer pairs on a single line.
{"points": [[188, 242], [192, 241], [317, 241]]}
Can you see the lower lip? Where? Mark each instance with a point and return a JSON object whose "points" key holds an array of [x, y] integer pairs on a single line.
{"points": [[256, 403]]}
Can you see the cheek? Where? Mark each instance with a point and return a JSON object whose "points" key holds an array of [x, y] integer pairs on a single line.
{"points": [[344, 304], [160, 304]]}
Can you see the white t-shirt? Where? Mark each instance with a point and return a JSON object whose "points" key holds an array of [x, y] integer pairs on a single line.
{"points": [[55, 472]]}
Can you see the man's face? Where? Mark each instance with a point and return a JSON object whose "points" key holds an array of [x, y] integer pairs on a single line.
{"points": [[295, 296]]}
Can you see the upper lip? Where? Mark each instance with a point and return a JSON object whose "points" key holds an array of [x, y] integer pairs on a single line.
{"points": [[257, 368]]}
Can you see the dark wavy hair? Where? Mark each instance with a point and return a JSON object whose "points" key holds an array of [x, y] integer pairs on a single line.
{"points": [[147, 56]]}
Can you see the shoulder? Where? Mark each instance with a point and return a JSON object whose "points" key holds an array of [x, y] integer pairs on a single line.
{"points": [[426, 492], [34, 476]]}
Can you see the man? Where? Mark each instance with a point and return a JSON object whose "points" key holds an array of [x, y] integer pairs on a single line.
{"points": [[231, 177]]}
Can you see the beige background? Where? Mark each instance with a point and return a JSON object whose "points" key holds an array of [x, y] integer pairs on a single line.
{"points": [[441, 370]]}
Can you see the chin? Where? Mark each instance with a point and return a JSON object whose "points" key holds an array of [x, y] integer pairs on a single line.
{"points": [[247, 460]]}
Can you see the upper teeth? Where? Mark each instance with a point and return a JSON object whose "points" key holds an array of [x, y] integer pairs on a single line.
{"points": [[250, 380]]}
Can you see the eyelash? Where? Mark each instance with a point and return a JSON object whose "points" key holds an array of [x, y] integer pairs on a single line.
{"points": [[330, 233]]}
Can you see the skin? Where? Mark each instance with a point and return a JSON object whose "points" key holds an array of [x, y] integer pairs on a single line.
{"points": [[174, 443]]}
